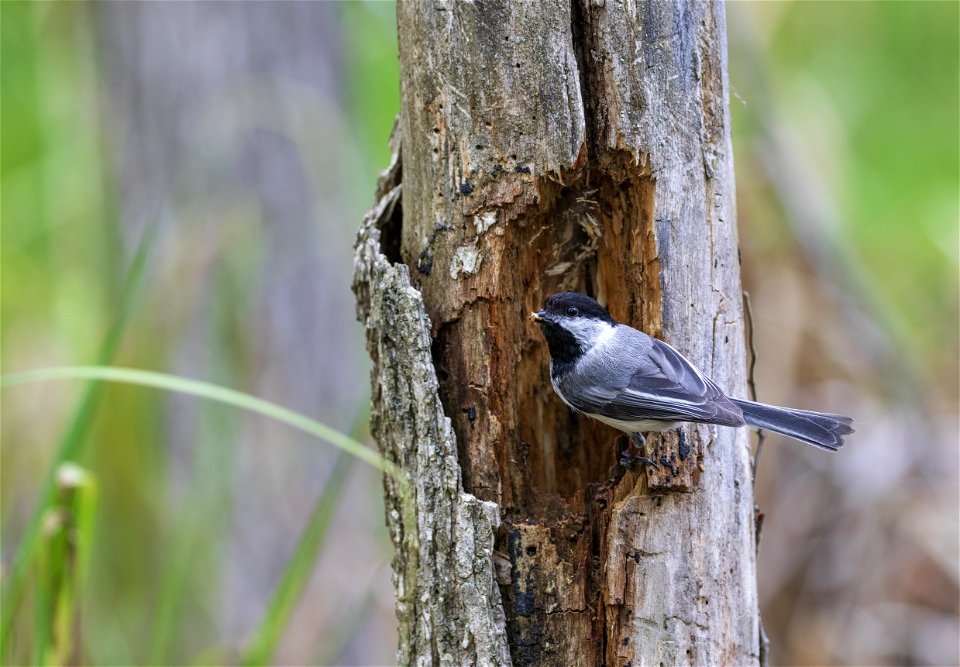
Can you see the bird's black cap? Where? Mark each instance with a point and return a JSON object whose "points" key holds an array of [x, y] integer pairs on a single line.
{"points": [[562, 304]]}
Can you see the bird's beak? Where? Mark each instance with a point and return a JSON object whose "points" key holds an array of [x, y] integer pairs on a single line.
{"points": [[536, 317]]}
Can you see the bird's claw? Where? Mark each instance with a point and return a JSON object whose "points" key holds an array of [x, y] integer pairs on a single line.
{"points": [[628, 460]]}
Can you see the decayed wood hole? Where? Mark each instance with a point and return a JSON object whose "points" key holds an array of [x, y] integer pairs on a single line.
{"points": [[501, 377], [553, 472]]}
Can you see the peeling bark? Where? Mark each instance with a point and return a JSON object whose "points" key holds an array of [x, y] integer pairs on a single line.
{"points": [[548, 147]]}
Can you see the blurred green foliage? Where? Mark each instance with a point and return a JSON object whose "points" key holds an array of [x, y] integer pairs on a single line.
{"points": [[870, 92], [845, 133], [160, 543], [373, 85]]}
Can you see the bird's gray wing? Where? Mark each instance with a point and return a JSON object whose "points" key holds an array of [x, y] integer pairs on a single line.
{"points": [[660, 384]]}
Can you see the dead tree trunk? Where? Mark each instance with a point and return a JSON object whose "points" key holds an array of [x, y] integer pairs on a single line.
{"points": [[544, 147]]}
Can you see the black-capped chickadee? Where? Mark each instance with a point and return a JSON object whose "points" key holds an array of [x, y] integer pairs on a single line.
{"points": [[625, 378]]}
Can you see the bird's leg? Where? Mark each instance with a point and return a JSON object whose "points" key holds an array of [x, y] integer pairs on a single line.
{"points": [[629, 457]]}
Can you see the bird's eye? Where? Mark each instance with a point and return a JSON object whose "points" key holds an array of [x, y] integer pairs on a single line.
{"points": [[572, 311]]}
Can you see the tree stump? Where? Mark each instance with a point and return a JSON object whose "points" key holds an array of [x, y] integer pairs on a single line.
{"points": [[543, 147]]}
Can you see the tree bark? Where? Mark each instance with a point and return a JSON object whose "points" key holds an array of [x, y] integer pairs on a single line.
{"points": [[547, 147]]}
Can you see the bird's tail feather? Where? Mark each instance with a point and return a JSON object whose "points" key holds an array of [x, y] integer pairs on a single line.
{"points": [[816, 428]]}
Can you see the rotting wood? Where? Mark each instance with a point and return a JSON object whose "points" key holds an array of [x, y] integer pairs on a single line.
{"points": [[547, 147]]}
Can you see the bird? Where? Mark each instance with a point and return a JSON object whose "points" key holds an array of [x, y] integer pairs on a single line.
{"points": [[638, 384]]}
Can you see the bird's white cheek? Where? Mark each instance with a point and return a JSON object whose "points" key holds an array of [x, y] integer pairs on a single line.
{"points": [[589, 332], [605, 334]]}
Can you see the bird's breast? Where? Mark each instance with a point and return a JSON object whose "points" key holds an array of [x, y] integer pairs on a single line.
{"points": [[557, 380]]}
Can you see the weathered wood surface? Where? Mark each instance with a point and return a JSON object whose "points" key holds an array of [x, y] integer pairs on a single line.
{"points": [[448, 604], [544, 147]]}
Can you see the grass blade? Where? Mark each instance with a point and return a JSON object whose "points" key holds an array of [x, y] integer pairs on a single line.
{"points": [[300, 565], [72, 442], [62, 564], [213, 392]]}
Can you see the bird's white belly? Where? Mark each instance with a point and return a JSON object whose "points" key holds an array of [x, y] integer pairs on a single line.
{"points": [[640, 426]]}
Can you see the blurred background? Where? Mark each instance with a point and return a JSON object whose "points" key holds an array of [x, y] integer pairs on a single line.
{"points": [[190, 176]]}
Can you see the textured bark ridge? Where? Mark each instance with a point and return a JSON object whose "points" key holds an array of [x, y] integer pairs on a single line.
{"points": [[448, 603], [547, 147]]}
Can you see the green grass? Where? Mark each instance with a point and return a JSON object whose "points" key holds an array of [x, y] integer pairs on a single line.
{"points": [[165, 517], [62, 560], [55, 581], [73, 441], [213, 392]]}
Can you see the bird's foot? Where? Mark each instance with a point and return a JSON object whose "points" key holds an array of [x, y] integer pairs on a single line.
{"points": [[629, 457]]}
